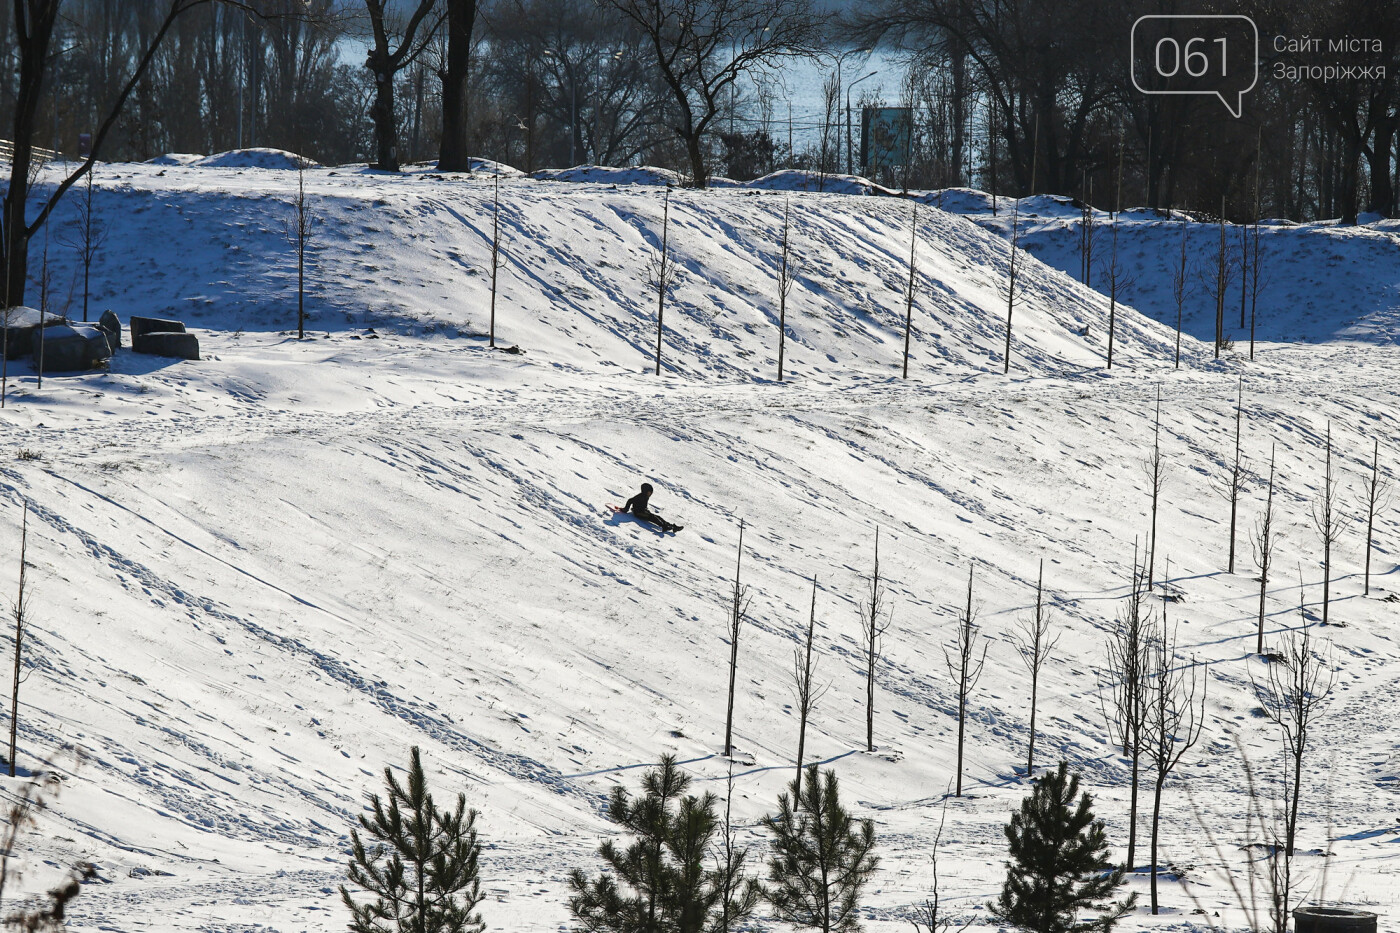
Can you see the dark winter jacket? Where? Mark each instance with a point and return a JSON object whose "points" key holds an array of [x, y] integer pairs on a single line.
{"points": [[637, 505]]}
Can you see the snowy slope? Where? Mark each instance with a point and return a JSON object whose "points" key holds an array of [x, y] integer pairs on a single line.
{"points": [[1319, 281], [262, 576]]}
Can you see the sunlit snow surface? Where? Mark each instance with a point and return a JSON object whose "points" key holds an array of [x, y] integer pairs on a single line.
{"points": [[260, 577]]}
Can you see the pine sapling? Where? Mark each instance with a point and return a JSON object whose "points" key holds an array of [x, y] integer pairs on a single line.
{"points": [[1059, 865], [660, 879], [420, 866], [822, 857]]}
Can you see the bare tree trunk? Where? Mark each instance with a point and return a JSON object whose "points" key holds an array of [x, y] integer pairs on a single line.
{"points": [[805, 688], [1155, 475], [1013, 266], [965, 668], [785, 281], [21, 611], [1264, 541], [1328, 522], [1176, 715], [1292, 698], [909, 289], [1375, 495], [1233, 483], [1179, 293], [661, 274], [1124, 679], [870, 632], [1220, 277], [495, 253], [453, 155], [738, 609], [1034, 643]]}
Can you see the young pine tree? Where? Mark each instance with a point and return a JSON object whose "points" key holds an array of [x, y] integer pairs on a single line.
{"points": [[1059, 864], [421, 868], [660, 880], [822, 857]]}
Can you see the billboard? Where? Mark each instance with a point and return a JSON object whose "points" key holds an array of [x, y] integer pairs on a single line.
{"points": [[885, 137]]}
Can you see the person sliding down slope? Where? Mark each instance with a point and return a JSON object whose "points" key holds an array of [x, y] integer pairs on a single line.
{"points": [[638, 506]]}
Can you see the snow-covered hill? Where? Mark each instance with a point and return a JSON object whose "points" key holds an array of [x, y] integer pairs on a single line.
{"points": [[1318, 281], [262, 576]]}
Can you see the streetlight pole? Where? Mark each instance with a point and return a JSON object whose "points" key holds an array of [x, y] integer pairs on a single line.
{"points": [[850, 161]]}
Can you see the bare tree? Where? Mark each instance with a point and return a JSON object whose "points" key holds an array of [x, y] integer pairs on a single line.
{"points": [[871, 632], [738, 611], [701, 48], [1013, 271], [1118, 280], [1175, 716], [909, 289], [1086, 233], [1221, 285], [1253, 272], [1155, 467], [1292, 697], [737, 895], [1264, 541], [1118, 277], [87, 238], [1034, 642], [1179, 280], [805, 689], [965, 667], [385, 61], [661, 272], [1124, 688], [495, 252], [1328, 520], [299, 231], [932, 915], [1233, 482], [786, 277], [1375, 498], [32, 40], [20, 614]]}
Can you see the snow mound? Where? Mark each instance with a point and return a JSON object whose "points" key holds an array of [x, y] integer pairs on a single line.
{"points": [[602, 174], [177, 158], [791, 179], [255, 158]]}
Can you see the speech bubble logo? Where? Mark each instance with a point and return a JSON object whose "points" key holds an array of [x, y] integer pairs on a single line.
{"points": [[1216, 55]]}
